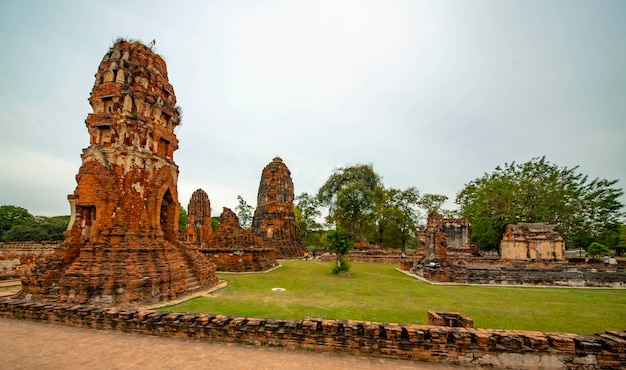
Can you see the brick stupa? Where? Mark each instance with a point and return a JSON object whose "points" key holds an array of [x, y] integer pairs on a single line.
{"points": [[274, 218], [121, 245], [199, 218]]}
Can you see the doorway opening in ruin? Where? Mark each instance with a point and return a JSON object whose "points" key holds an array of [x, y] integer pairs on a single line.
{"points": [[167, 217]]}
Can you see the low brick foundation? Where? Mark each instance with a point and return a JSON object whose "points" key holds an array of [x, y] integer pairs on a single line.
{"points": [[241, 259], [454, 345], [555, 276]]}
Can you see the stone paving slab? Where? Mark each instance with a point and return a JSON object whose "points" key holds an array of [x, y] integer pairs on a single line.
{"points": [[36, 345]]}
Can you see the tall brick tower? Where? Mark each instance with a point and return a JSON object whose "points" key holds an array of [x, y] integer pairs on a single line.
{"points": [[274, 218], [122, 240], [199, 218]]}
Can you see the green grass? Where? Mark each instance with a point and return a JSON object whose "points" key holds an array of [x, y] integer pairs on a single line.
{"points": [[377, 292]]}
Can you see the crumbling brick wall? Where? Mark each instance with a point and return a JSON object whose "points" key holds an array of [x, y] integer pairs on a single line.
{"points": [[451, 345]]}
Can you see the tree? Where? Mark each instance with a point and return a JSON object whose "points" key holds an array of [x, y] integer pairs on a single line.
{"points": [[350, 194], [538, 191], [340, 243], [182, 221], [11, 216], [307, 213], [397, 217], [39, 228], [621, 244], [596, 249], [244, 212], [432, 203]]}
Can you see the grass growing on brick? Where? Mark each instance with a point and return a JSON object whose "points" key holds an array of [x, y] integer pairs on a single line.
{"points": [[377, 292]]}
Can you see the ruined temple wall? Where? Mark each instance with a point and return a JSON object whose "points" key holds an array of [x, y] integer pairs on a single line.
{"points": [[546, 249], [17, 258], [448, 345], [241, 260], [565, 276]]}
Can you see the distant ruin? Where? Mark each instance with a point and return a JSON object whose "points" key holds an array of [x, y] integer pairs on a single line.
{"points": [[274, 218], [443, 238], [199, 218], [121, 245], [532, 241], [235, 249]]}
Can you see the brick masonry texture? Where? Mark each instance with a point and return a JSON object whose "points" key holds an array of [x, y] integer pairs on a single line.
{"points": [[274, 218], [454, 345], [122, 244]]}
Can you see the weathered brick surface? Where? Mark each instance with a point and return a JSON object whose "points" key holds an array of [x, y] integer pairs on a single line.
{"points": [[443, 238], [274, 218], [454, 345], [18, 258], [199, 218], [532, 241], [235, 249], [122, 242]]}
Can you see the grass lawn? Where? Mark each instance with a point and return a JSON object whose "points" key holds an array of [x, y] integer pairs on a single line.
{"points": [[377, 292]]}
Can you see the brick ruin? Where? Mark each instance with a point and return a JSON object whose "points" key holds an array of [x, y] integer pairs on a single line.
{"points": [[274, 218], [442, 341], [199, 218], [235, 249], [443, 238], [532, 254], [18, 258], [531, 241], [122, 244]]}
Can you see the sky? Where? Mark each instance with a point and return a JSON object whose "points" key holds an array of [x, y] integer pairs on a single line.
{"points": [[433, 94]]}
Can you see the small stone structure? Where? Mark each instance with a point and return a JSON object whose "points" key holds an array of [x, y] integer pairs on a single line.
{"points": [[528, 241], [122, 244], [443, 238], [464, 346], [199, 218], [274, 218], [449, 319], [235, 249]]}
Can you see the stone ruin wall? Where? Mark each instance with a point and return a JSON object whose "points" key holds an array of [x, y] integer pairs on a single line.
{"points": [[274, 218], [235, 249], [18, 258], [122, 240], [441, 344], [531, 241], [443, 238]]}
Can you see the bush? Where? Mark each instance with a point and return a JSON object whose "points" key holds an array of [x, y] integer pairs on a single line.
{"points": [[596, 248], [344, 267]]}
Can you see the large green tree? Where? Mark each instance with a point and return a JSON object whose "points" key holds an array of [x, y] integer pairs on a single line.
{"points": [[39, 228], [397, 216], [350, 193], [307, 213], [539, 191], [11, 216]]}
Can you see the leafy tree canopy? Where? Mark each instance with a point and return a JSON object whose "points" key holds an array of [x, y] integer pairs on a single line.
{"points": [[12, 216], [350, 194], [38, 229], [307, 212], [182, 221], [596, 249], [244, 212], [396, 217], [538, 191]]}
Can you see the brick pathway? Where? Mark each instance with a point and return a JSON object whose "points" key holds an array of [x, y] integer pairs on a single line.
{"points": [[35, 345]]}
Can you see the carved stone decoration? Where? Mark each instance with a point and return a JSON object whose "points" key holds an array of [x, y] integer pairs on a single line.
{"points": [[274, 218], [121, 243], [199, 218]]}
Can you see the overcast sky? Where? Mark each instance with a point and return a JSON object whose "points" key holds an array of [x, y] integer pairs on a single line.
{"points": [[432, 93]]}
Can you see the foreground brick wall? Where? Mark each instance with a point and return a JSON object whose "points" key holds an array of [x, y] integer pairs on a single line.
{"points": [[479, 347]]}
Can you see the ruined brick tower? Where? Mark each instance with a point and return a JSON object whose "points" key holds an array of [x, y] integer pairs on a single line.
{"points": [[274, 219], [121, 244], [199, 218]]}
